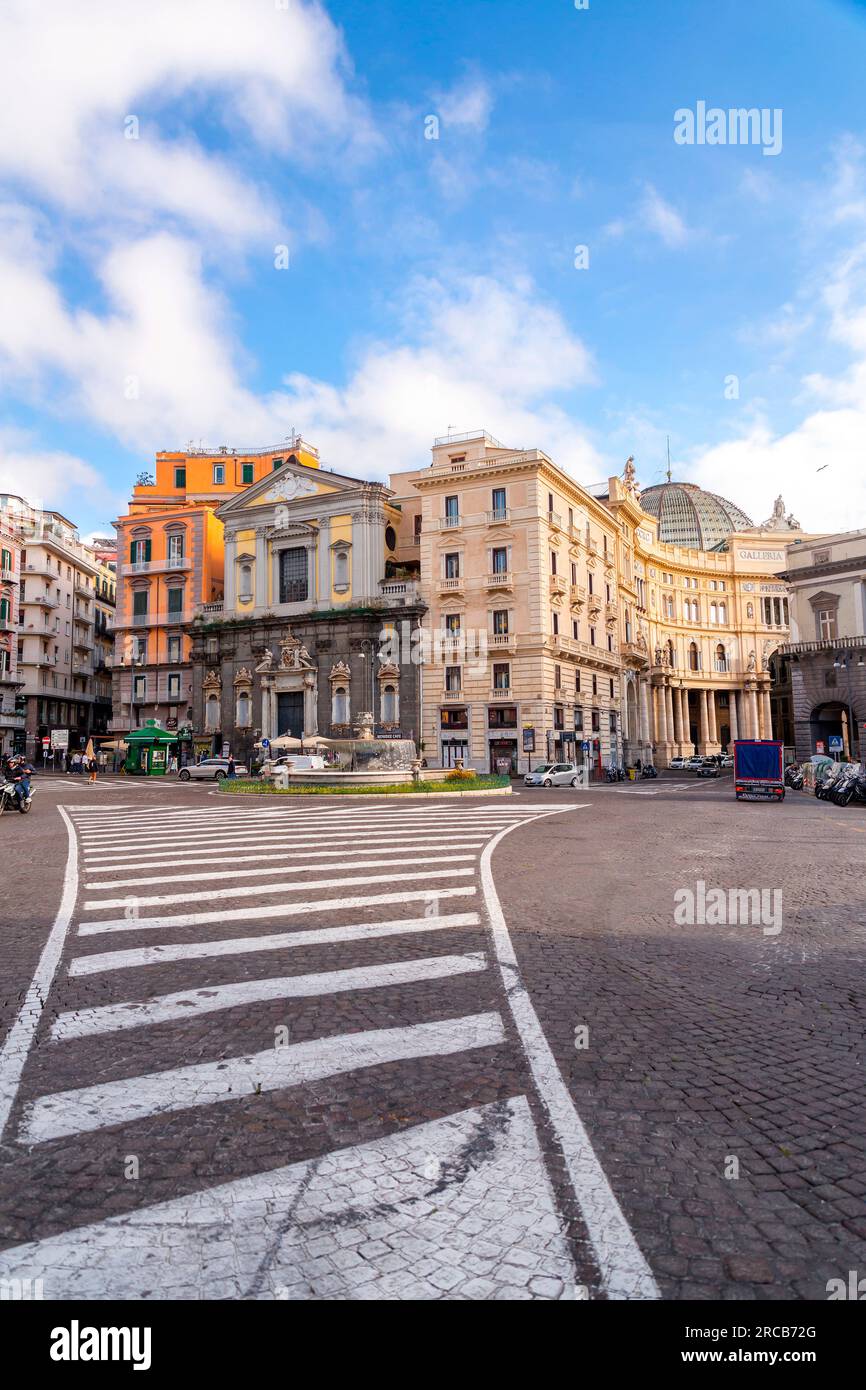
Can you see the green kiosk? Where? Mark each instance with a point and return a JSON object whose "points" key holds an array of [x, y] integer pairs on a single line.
{"points": [[148, 750]]}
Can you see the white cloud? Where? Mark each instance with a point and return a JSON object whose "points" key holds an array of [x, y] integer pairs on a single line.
{"points": [[662, 219], [49, 477], [467, 105], [72, 74]]}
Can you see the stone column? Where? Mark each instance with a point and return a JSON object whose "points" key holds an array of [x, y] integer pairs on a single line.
{"points": [[732, 699], [645, 735], [703, 730], [768, 712], [261, 597], [323, 586], [684, 719], [752, 698], [661, 715], [229, 568], [669, 712], [711, 709], [678, 719]]}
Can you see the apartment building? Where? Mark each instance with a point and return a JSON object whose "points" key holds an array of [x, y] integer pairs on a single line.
{"points": [[12, 705], [56, 624], [518, 569], [170, 564]]}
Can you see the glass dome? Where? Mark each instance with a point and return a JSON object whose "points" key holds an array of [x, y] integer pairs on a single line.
{"points": [[689, 516]]}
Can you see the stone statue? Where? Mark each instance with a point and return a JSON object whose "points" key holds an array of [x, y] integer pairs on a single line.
{"points": [[267, 661], [658, 656], [753, 662], [779, 521]]}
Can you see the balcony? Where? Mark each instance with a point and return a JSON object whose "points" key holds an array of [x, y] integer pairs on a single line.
{"points": [[8, 624], [84, 618], [500, 580], [10, 720], [558, 585], [43, 600], [167, 566], [503, 639], [611, 612], [81, 644], [577, 595], [499, 517], [452, 693], [451, 584], [400, 591], [82, 668], [42, 567], [554, 521], [184, 615], [449, 523], [83, 590], [7, 576], [502, 693]]}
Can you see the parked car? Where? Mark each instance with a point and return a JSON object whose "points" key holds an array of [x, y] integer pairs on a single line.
{"points": [[727, 760], [554, 775], [694, 763], [210, 770], [709, 769], [677, 764]]}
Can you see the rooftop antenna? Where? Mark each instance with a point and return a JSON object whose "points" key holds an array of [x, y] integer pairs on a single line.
{"points": [[669, 458]]}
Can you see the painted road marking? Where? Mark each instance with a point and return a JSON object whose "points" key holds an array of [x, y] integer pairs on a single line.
{"points": [[624, 1271], [190, 1003], [258, 914], [235, 1078], [281, 853], [220, 874], [19, 1039], [243, 945], [268, 1224]]}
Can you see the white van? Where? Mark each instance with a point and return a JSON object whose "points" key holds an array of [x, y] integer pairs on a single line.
{"points": [[295, 762]]}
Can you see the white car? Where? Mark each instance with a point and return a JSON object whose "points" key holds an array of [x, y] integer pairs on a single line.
{"points": [[694, 763], [210, 770], [554, 775], [677, 764], [295, 762]]}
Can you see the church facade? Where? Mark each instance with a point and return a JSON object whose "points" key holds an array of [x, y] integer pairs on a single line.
{"points": [[296, 646]]}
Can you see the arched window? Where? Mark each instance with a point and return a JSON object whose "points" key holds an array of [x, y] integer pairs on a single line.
{"points": [[340, 705], [212, 714], [694, 657], [245, 587], [721, 658], [244, 710], [389, 705]]}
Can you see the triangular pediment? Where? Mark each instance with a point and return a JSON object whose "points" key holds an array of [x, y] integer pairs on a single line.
{"points": [[291, 483]]}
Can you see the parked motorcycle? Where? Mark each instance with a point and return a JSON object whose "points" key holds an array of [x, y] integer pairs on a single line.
{"points": [[794, 777], [825, 779], [648, 770], [843, 786], [9, 800]]}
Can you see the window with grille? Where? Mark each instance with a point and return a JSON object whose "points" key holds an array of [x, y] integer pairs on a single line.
{"points": [[293, 575]]}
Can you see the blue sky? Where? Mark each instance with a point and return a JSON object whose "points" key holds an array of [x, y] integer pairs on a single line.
{"points": [[432, 282]]}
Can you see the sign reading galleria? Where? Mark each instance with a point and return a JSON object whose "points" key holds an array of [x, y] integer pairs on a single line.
{"points": [[774, 555]]}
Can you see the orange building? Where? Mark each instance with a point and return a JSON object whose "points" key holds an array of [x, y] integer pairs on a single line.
{"points": [[170, 563]]}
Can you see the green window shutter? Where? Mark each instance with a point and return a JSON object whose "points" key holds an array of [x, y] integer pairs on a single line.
{"points": [[147, 551], [132, 552]]}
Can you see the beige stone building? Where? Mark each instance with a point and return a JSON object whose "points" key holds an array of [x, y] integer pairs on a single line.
{"points": [[518, 568], [563, 624]]}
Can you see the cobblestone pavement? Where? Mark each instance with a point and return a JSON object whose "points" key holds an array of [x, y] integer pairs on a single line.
{"points": [[301, 1050]]}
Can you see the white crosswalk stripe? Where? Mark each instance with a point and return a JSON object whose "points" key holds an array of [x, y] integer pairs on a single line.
{"points": [[330, 879]]}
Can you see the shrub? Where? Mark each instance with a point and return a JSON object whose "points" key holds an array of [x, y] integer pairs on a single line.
{"points": [[460, 774]]}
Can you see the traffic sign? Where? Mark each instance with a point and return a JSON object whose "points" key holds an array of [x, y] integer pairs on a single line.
{"points": [[266, 743], [835, 743]]}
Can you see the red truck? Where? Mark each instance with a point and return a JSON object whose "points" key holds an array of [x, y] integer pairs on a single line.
{"points": [[759, 770]]}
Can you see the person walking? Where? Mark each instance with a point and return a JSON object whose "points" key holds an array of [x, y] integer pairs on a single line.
{"points": [[231, 773]]}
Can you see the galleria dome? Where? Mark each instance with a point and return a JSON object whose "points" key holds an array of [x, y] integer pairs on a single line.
{"points": [[687, 515]]}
